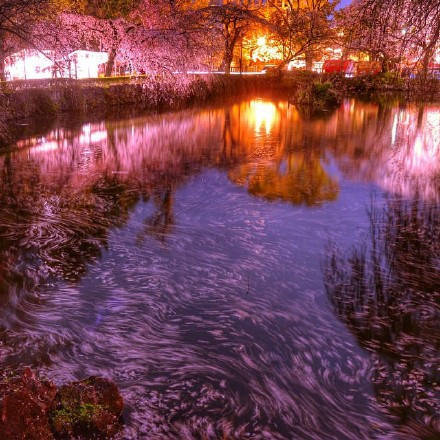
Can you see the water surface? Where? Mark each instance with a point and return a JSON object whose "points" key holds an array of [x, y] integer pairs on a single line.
{"points": [[238, 271]]}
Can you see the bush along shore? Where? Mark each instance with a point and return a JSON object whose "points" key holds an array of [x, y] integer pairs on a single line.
{"points": [[40, 103], [34, 408]]}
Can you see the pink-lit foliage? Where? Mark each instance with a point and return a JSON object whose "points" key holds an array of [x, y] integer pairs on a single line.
{"points": [[17, 21], [160, 36], [393, 31], [153, 38]]}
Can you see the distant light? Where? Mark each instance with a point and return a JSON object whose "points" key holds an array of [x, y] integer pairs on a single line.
{"points": [[265, 52], [29, 64], [85, 64], [32, 64]]}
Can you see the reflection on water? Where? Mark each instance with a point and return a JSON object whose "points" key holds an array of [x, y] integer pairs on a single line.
{"points": [[299, 177], [146, 250], [397, 148], [388, 294], [263, 115]]}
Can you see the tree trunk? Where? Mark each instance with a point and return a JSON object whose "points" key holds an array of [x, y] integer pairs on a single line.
{"points": [[111, 62], [112, 53], [425, 65], [2, 67], [384, 63], [427, 57], [2, 59], [227, 60], [309, 60]]}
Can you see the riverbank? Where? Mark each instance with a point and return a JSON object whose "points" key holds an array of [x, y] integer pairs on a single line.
{"points": [[24, 103], [33, 106]]}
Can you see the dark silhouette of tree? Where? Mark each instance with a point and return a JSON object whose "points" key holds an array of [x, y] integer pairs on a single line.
{"points": [[388, 294]]}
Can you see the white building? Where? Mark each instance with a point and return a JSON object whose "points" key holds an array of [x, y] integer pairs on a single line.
{"points": [[30, 64], [85, 63], [33, 64]]}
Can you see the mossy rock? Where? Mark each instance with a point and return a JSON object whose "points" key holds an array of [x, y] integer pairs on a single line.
{"points": [[24, 403], [90, 408]]}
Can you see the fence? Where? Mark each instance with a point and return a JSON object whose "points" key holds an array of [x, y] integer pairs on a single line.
{"points": [[66, 82]]}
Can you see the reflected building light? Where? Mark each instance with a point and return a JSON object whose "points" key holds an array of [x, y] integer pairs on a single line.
{"points": [[86, 129], [44, 147], [414, 163], [98, 136], [92, 134], [394, 129], [351, 106], [433, 119], [264, 114]]}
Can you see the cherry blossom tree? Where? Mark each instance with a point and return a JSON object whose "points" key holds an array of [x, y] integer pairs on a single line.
{"points": [[151, 35], [17, 18], [113, 12], [161, 36], [391, 30]]}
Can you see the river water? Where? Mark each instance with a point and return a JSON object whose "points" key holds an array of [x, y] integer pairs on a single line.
{"points": [[240, 271]]}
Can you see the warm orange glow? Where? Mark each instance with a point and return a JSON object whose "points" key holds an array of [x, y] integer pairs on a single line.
{"points": [[263, 114], [265, 52]]}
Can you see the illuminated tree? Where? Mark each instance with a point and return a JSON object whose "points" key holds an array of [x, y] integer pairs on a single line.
{"points": [[160, 36], [229, 22], [17, 18], [153, 36], [374, 31], [111, 10], [302, 27], [391, 30]]}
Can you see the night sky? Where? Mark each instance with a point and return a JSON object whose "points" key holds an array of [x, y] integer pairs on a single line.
{"points": [[344, 3]]}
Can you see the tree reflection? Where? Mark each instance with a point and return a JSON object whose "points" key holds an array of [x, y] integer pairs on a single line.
{"points": [[276, 154], [160, 223], [62, 194], [298, 178], [388, 294], [395, 146]]}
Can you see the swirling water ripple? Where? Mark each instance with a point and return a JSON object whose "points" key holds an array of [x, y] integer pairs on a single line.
{"points": [[189, 269]]}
